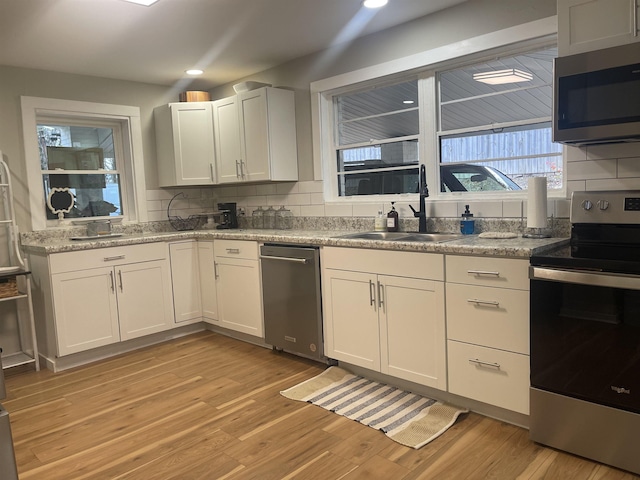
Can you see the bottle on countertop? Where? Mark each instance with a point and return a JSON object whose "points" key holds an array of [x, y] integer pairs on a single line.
{"points": [[467, 224], [380, 224], [392, 219]]}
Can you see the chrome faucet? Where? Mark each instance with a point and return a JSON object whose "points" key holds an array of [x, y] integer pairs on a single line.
{"points": [[424, 193]]}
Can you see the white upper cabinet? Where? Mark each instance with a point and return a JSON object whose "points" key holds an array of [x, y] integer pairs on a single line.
{"points": [[585, 25], [255, 136], [184, 143]]}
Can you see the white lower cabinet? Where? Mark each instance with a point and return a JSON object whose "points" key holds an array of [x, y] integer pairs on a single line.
{"points": [[386, 320], [97, 305], [185, 279], [487, 302], [238, 287], [207, 274]]}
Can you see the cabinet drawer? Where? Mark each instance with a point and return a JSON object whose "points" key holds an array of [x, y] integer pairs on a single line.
{"points": [[245, 249], [491, 376], [429, 266], [488, 271], [493, 317], [100, 257]]}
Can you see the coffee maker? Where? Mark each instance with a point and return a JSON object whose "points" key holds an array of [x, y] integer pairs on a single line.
{"points": [[229, 215]]}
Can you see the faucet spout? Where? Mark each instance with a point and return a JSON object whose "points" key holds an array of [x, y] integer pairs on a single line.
{"points": [[424, 193]]}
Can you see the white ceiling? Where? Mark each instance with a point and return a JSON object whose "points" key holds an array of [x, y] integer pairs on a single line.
{"points": [[229, 39]]}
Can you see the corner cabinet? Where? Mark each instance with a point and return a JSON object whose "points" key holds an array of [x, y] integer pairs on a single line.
{"points": [[488, 330], [384, 310], [184, 144], [255, 136], [93, 298], [586, 25]]}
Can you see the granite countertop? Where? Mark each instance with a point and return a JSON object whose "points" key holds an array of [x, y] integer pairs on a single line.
{"points": [[470, 244]]}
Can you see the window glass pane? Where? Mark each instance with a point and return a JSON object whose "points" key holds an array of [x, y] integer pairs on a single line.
{"points": [[379, 183], [81, 149], [96, 195], [394, 125], [516, 153], [378, 156], [377, 101]]}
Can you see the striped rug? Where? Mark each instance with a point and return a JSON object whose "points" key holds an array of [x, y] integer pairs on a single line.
{"points": [[409, 419]]}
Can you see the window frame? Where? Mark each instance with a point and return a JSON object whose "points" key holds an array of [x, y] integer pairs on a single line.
{"points": [[132, 171], [426, 64]]}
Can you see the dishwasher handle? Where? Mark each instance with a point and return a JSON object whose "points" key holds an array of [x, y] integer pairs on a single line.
{"points": [[285, 259]]}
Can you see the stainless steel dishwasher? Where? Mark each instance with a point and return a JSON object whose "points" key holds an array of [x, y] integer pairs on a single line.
{"points": [[291, 299]]}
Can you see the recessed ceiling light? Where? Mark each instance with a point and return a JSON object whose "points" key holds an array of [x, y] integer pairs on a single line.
{"points": [[408, 102], [194, 71], [499, 77], [146, 3], [374, 3]]}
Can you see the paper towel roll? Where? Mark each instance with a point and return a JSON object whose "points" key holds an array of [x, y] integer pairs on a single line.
{"points": [[537, 202]]}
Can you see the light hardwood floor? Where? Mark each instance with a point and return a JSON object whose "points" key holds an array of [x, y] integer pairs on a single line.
{"points": [[207, 407]]}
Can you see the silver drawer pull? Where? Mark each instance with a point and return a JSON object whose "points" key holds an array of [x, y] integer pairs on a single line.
{"points": [[480, 363], [111, 259], [233, 250], [491, 303], [483, 272], [284, 259]]}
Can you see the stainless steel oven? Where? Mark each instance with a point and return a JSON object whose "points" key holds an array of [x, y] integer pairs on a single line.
{"points": [[585, 333]]}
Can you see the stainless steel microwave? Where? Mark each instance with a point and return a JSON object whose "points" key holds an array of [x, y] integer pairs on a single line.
{"points": [[596, 96]]}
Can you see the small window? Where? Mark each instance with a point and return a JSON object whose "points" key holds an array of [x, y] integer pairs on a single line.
{"points": [[494, 136], [84, 160], [376, 140]]}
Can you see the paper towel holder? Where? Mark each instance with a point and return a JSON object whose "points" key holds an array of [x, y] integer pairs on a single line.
{"points": [[537, 226]]}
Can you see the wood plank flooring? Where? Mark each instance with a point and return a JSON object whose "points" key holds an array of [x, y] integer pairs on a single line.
{"points": [[207, 407]]}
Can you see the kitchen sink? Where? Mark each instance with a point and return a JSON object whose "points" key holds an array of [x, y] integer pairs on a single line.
{"points": [[404, 236]]}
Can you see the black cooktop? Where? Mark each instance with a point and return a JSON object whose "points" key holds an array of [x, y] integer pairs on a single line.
{"points": [[569, 257]]}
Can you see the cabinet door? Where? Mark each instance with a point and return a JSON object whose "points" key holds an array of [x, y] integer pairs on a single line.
{"points": [[145, 302], [586, 25], [254, 135], [227, 135], [85, 309], [412, 330], [185, 280], [239, 295], [208, 281], [351, 318], [184, 141]]}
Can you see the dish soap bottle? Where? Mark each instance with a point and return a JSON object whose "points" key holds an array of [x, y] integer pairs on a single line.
{"points": [[392, 219], [467, 224], [380, 224]]}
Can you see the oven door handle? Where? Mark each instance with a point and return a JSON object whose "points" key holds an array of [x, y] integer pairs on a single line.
{"points": [[612, 280]]}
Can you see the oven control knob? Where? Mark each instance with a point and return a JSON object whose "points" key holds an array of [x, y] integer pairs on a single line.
{"points": [[603, 204], [587, 204]]}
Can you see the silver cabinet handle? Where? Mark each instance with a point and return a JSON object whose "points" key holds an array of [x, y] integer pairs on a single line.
{"points": [[483, 272], [480, 363], [242, 168], [215, 270], [120, 278], [380, 295], [237, 169], [113, 282], [372, 294], [476, 301], [111, 259], [235, 251], [211, 170], [284, 259], [635, 18]]}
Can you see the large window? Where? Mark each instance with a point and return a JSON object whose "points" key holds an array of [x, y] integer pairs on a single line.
{"points": [[83, 159], [481, 128], [93, 150]]}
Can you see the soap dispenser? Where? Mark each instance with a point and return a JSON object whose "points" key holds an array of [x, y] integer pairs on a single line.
{"points": [[392, 219], [380, 224], [467, 224]]}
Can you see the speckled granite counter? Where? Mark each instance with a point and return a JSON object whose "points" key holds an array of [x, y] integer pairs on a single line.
{"points": [[468, 245]]}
